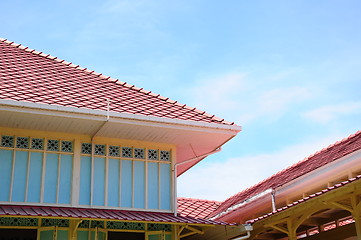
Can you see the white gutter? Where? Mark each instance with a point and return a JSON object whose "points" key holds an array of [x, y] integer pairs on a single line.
{"points": [[83, 113], [174, 171]]}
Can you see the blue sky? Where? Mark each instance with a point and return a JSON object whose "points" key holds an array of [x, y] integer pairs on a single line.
{"points": [[288, 72]]}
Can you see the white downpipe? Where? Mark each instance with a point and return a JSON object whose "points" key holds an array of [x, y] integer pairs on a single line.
{"points": [[248, 228], [174, 170], [243, 237], [92, 153], [273, 199]]}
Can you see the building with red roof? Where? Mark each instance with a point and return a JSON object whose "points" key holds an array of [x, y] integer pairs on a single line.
{"points": [[316, 198], [85, 156]]}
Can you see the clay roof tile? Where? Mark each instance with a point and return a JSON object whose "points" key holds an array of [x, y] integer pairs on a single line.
{"points": [[23, 70]]}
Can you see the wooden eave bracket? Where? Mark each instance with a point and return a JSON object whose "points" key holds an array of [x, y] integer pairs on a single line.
{"points": [[192, 230], [281, 229]]}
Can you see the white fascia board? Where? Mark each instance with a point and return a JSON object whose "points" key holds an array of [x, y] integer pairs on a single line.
{"points": [[100, 115]]}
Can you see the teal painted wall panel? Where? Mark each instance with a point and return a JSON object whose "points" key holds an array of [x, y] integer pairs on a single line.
{"points": [[139, 184], [159, 237], [101, 236], [165, 186], [155, 237], [66, 168], [113, 182], [20, 173], [83, 235], [127, 179], [35, 172], [46, 235], [153, 185], [99, 181], [85, 180], [51, 178], [62, 235], [6, 159]]}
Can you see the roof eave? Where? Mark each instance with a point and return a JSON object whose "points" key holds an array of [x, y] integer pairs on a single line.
{"points": [[100, 114]]}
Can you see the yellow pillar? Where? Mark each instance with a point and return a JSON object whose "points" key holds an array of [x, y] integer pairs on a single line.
{"points": [[291, 230], [73, 227], [356, 214], [357, 218]]}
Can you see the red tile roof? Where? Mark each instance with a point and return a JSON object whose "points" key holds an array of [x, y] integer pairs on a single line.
{"points": [[106, 214], [31, 76], [305, 199], [197, 208], [319, 159]]}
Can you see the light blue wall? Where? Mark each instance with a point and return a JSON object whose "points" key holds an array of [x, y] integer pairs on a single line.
{"points": [[35, 172], [99, 182], [20, 173], [139, 184], [153, 185], [51, 178], [85, 180], [66, 169], [130, 183], [165, 186], [23, 170], [6, 159], [127, 179], [113, 182]]}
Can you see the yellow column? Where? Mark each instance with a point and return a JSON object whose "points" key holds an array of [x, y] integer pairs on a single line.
{"points": [[357, 218], [291, 230], [356, 214], [73, 227]]}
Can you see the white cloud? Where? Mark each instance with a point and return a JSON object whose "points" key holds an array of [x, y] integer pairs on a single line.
{"points": [[278, 99], [219, 93], [328, 113], [220, 180], [238, 96]]}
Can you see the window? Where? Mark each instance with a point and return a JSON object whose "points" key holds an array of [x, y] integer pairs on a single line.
{"points": [[125, 176], [35, 170]]}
